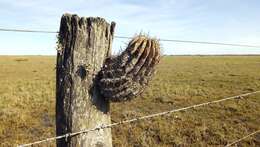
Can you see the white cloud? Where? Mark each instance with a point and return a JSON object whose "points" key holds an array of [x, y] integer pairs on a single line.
{"points": [[218, 21]]}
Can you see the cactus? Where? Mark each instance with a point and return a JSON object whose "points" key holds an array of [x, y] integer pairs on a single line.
{"points": [[125, 76]]}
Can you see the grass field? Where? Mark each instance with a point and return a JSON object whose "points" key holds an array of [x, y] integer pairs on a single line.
{"points": [[27, 102]]}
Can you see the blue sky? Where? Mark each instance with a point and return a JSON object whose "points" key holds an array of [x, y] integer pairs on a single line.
{"points": [[230, 21]]}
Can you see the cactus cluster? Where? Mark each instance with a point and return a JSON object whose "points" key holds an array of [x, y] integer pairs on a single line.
{"points": [[125, 76]]}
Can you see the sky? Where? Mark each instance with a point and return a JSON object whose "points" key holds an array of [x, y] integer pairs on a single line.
{"points": [[228, 21]]}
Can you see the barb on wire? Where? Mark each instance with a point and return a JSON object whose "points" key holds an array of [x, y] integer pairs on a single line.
{"points": [[125, 37], [237, 141], [137, 119]]}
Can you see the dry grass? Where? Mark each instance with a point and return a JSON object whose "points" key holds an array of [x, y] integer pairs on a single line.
{"points": [[27, 102]]}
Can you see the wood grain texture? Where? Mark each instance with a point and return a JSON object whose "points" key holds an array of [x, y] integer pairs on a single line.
{"points": [[84, 44]]}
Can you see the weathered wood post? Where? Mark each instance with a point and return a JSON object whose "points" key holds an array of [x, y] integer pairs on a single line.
{"points": [[84, 45]]}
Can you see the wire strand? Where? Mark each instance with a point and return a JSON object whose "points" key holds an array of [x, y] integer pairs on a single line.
{"points": [[237, 141], [200, 42], [137, 119], [28, 31], [125, 37]]}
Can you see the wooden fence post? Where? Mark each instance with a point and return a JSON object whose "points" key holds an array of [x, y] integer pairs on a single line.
{"points": [[84, 45]]}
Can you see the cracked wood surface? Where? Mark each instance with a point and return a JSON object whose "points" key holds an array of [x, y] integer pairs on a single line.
{"points": [[84, 44]]}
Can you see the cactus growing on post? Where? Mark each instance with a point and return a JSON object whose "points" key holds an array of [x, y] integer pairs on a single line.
{"points": [[126, 75]]}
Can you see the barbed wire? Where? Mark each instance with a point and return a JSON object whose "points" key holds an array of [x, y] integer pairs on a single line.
{"points": [[137, 119], [125, 37], [199, 42], [28, 31], [237, 141]]}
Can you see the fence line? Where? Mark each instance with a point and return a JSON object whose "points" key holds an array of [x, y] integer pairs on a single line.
{"points": [[26, 31], [137, 119], [235, 142], [200, 42], [125, 37]]}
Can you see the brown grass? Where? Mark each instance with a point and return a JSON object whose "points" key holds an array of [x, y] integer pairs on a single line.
{"points": [[27, 102]]}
